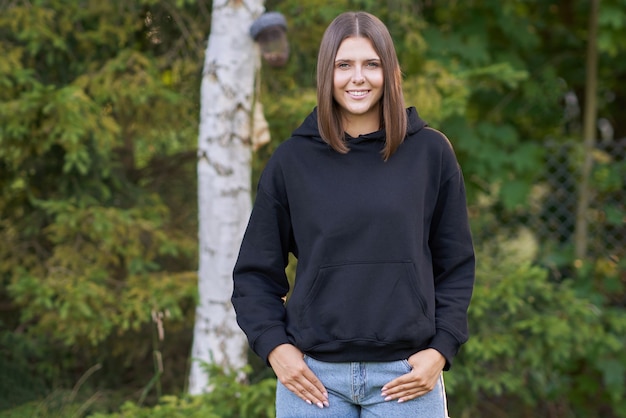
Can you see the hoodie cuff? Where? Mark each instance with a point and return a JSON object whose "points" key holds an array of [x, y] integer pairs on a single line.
{"points": [[269, 340], [447, 345]]}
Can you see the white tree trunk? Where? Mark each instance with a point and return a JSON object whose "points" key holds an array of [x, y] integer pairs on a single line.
{"points": [[231, 64]]}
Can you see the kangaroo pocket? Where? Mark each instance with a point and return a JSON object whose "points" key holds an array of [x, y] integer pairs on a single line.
{"points": [[382, 302]]}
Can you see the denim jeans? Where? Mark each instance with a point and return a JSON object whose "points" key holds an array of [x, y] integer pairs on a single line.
{"points": [[354, 391]]}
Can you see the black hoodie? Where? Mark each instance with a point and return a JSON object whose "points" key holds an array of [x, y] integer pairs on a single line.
{"points": [[385, 257]]}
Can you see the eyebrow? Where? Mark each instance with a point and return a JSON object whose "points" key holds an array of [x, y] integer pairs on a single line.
{"points": [[351, 60]]}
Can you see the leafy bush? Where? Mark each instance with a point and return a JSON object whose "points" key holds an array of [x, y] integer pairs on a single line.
{"points": [[229, 398], [169, 407], [58, 404], [538, 347]]}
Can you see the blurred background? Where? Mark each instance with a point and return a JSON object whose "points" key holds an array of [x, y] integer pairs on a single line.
{"points": [[99, 113]]}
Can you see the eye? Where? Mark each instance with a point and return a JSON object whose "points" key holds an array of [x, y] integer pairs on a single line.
{"points": [[343, 65], [373, 64]]}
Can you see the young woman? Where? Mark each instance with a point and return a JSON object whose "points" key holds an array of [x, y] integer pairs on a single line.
{"points": [[371, 201]]}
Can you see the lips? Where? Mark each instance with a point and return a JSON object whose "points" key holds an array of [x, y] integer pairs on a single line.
{"points": [[358, 93]]}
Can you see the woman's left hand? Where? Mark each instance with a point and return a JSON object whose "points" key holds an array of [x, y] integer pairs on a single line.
{"points": [[427, 366]]}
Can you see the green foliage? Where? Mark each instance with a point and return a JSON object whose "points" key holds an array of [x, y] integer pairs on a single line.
{"points": [[490, 74], [55, 406], [229, 398], [539, 344], [98, 125], [98, 128], [612, 21], [15, 376], [169, 406]]}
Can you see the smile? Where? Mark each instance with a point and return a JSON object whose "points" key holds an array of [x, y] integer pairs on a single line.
{"points": [[358, 92]]}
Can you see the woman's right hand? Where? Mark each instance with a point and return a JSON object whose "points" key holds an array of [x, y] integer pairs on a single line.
{"points": [[291, 370]]}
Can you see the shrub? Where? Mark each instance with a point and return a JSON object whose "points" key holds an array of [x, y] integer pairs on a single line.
{"points": [[537, 346], [230, 397]]}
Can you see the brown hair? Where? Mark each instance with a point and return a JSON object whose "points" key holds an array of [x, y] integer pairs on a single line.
{"points": [[392, 109]]}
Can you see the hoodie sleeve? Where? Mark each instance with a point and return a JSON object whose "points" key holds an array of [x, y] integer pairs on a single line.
{"points": [[260, 282], [453, 261]]}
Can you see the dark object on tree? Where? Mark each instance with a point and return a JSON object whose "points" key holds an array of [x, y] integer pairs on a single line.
{"points": [[270, 31]]}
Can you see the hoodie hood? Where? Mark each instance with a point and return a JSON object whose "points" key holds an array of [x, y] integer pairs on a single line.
{"points": [[309, 129]]}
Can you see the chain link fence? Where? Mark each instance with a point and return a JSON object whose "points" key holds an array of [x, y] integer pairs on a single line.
{"points": [[552, 216]]}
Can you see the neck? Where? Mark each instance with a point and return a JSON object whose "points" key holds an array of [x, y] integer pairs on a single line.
{"points": [[355, 125]]}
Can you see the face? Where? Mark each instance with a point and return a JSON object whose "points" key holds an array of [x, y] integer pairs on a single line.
{"points": [[358, 85]]}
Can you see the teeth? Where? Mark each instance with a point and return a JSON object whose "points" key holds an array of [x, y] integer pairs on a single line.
{"points": [[358, 93]]}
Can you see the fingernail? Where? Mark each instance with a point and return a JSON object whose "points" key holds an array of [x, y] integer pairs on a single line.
{"points": [[326, 404], [388, 398], [320, 405], [309, 402], [400, 400]]}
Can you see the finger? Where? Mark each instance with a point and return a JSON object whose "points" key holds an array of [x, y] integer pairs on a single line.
{"points": [[397, 392], [400, 383], [300, 393], [307, 393], [407, 387], [406, 398], [314, 390], [317, 386], [406, 395], [308, 387]]}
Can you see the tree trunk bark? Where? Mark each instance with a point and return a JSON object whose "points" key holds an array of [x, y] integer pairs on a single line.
{"points": [[232, 62], [589, 135]]}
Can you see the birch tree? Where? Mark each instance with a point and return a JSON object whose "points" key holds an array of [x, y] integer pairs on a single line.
{"points": [[226, 132]]}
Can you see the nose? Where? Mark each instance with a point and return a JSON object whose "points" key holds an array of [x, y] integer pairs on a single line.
{"points": [[357, 76]]}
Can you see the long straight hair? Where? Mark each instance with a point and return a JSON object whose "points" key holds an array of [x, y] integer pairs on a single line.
{"points": [[392, 108]]}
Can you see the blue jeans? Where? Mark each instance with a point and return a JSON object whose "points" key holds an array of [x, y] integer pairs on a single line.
{"points": [[354, 392]]}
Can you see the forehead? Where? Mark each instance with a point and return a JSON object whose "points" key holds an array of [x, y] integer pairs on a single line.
{"points": [[356, 47]]}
